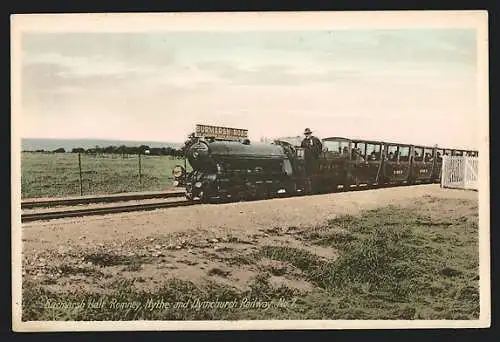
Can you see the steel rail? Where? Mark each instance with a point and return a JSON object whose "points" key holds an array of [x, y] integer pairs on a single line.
{"points": [[29, 204], [103, 210]]}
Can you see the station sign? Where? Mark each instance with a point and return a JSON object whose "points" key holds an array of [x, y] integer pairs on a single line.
{"points": [[222, 133]]}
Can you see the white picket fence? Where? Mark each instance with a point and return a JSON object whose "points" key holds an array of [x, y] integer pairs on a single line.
{"points": [[459, 172]]}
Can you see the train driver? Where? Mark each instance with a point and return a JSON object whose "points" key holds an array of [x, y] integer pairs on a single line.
{"points": [[312, 143]]}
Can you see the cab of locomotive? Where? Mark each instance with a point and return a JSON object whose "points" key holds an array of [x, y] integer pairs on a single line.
{"points": [[296, 154], [292, 145]]}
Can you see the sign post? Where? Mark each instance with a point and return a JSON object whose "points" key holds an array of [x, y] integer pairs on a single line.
{"points": [[220, 133]]}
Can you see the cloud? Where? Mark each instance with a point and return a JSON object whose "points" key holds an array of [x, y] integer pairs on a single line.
{"points": [[284, 74], [194, 59]]}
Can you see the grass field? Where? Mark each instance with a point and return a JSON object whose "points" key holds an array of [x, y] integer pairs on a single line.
{"points": [[418, 262], [57, 174]]}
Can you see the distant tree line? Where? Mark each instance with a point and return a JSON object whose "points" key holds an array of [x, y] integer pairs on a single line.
{"points": [[143, 149]]}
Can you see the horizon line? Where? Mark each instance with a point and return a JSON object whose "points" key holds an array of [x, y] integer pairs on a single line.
{"points": [[271, 138]]}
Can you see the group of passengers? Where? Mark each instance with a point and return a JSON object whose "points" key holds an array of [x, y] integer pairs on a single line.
{"points": [[426, 158], [356, 154], [314, 145]]}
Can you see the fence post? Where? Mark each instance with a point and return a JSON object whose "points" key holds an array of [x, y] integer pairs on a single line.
{"points": [[443, 169], [80, 171], [140, 171]]}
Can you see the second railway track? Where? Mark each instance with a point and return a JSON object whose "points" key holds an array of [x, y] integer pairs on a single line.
{"points": [[37, 216]]}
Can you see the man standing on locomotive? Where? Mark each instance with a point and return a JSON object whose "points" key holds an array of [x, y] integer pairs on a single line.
{"points": [[313, 147], [311, 143]]}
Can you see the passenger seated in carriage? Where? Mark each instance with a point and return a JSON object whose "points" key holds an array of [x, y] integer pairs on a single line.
{"points": [[438, 156], [356, 154]]}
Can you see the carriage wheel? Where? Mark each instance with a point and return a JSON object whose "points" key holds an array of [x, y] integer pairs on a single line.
{"points": [[308, 187]]}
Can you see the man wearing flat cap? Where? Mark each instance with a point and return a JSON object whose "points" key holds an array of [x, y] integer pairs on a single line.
{"points": [[311, 143]]}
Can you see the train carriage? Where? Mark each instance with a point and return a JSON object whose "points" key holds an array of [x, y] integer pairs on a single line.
{"points": [[397, 162], [438, 154], [333, 163], [422, 164], [366, 162]]}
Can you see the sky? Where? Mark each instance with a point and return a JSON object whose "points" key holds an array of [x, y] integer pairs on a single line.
{"points": [[407, 85]]}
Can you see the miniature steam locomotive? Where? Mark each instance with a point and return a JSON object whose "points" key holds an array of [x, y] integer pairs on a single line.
{"points": [[234, 170]]}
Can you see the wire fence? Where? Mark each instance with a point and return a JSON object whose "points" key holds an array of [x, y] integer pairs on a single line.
{"points": [[74, 174]]}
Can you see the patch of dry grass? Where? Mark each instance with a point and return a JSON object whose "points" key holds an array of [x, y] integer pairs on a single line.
{"points": [[393, 263]]}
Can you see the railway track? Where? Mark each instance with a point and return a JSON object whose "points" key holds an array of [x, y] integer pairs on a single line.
{"points": [[30, 204], [28, 217]]}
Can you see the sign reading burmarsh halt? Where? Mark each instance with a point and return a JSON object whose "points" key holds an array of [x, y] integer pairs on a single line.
{"points": [[217, 132]]}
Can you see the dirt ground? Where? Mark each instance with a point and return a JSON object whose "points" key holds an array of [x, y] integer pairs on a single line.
{"points": [[196, 243]]}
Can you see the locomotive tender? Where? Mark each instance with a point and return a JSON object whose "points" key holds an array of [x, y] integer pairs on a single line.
{"points": [[235, 170]]}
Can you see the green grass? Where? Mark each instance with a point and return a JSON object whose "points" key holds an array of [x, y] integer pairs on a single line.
{"points": [[394, 263], [57, 175]]}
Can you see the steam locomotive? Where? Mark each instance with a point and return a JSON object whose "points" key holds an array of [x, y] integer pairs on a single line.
{"points": [[240, 170]]}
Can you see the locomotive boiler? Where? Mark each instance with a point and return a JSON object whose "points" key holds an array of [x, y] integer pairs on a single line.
{"points": [[238, 170]]}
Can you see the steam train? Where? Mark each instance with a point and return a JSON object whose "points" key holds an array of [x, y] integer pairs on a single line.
{"points": [[234, 170]]}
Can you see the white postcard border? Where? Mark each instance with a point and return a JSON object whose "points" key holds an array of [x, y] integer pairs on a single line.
{"points": [[140, 22]]}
